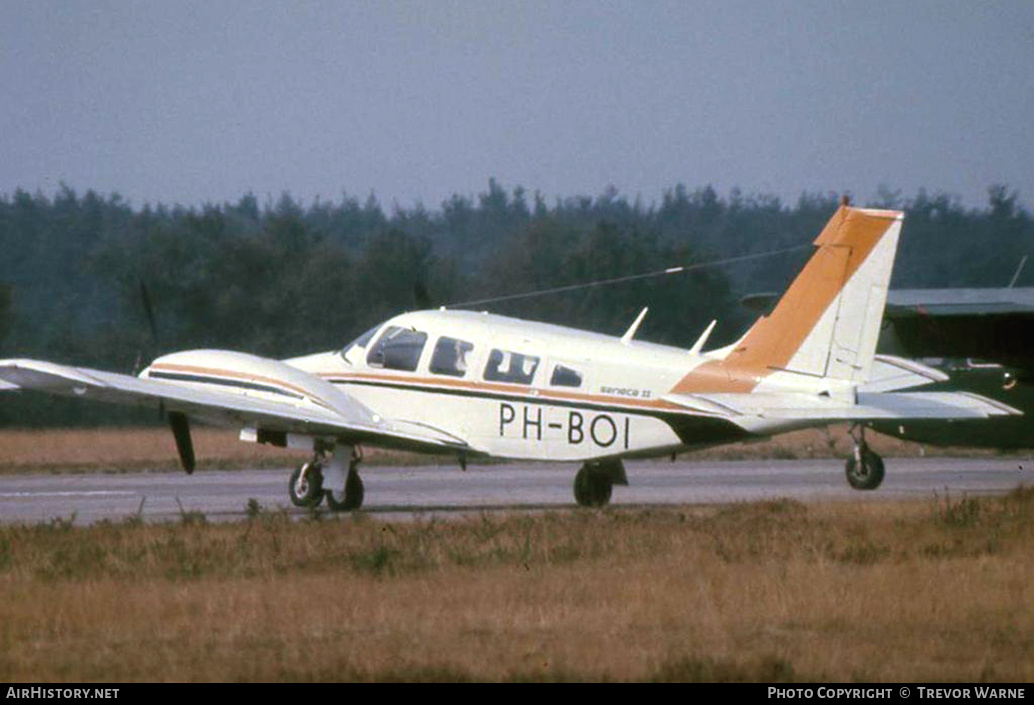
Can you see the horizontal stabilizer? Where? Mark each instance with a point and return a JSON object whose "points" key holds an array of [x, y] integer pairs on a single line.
{"points": [[890, 373], [7, 386], [871, 406]]}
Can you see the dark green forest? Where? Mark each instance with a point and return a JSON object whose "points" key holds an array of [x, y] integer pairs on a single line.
{"points": [[282, 277]]}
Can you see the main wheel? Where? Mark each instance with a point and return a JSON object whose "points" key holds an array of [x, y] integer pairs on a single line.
{"points": [[866, 475], [351, 499], [592, 489], [306, 490]]}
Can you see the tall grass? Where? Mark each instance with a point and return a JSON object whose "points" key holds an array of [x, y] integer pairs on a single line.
{"points": [[767, 591]]}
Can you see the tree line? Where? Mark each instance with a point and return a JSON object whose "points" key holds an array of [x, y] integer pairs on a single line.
{"points": [[285, 278]]}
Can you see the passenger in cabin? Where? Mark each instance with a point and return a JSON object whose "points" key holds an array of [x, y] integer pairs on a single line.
{"points": [[495, 359], [510, 367], [527, 367], [450, 357]]}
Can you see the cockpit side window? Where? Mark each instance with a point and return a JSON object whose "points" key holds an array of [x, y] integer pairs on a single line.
{"points": [[505, 366], [397, 349], [565, 377], [361, 342], [451, 357]]}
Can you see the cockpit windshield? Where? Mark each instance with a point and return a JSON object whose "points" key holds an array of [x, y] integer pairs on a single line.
{"points": [[397, 349], [361, 342]]}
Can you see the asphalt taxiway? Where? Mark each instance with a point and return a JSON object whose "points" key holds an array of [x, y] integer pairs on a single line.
{"points": [[223, 495]]}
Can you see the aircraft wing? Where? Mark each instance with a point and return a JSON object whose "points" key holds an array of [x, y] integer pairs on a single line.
{"points": [[870, 406], [961, 302], [347, 420], [987, 324], [903, 303]]}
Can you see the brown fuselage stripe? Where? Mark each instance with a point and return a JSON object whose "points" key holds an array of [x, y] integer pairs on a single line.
{"points": [[531, 394]]}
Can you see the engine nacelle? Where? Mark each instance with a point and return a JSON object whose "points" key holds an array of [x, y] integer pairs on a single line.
{"points": [[253, 376]]}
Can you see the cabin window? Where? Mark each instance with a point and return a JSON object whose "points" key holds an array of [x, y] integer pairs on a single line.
{"points": [[397, 349], [504, 366], [565, 377], [451, 357]]}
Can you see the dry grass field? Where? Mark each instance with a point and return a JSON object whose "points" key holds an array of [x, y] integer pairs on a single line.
{"points": [[115, 449], [937, 590]]}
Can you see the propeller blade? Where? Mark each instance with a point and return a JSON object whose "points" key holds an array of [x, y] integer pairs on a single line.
{"points": [[184, 445], [145, 297], [423, 299]]}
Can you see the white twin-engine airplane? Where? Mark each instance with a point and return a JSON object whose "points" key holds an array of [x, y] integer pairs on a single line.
{"points": [[477, 385]]}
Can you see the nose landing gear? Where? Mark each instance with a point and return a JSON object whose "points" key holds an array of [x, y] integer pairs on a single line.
{"points": [[864, 469], [306, 486]]}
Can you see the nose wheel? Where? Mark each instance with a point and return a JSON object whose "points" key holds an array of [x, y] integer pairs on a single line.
{"points": [[306, 485], [864, 469]]}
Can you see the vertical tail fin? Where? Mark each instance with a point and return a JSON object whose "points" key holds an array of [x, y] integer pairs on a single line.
{"points": [[827, 322]]}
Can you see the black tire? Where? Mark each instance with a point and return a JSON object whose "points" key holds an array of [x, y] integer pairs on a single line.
{"points": [[868, 474], [592, 489], [308, 492], [353, 495]]}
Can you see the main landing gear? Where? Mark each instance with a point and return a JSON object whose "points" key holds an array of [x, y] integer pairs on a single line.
{"points": [[595, 482], [864, 469], [315, 481], [350, 497]]}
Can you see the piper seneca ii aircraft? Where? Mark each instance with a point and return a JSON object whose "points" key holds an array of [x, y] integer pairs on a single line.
{"points": [[475, 385]]}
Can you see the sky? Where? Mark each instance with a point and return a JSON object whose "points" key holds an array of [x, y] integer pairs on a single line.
{"points": [[202, 102]]}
